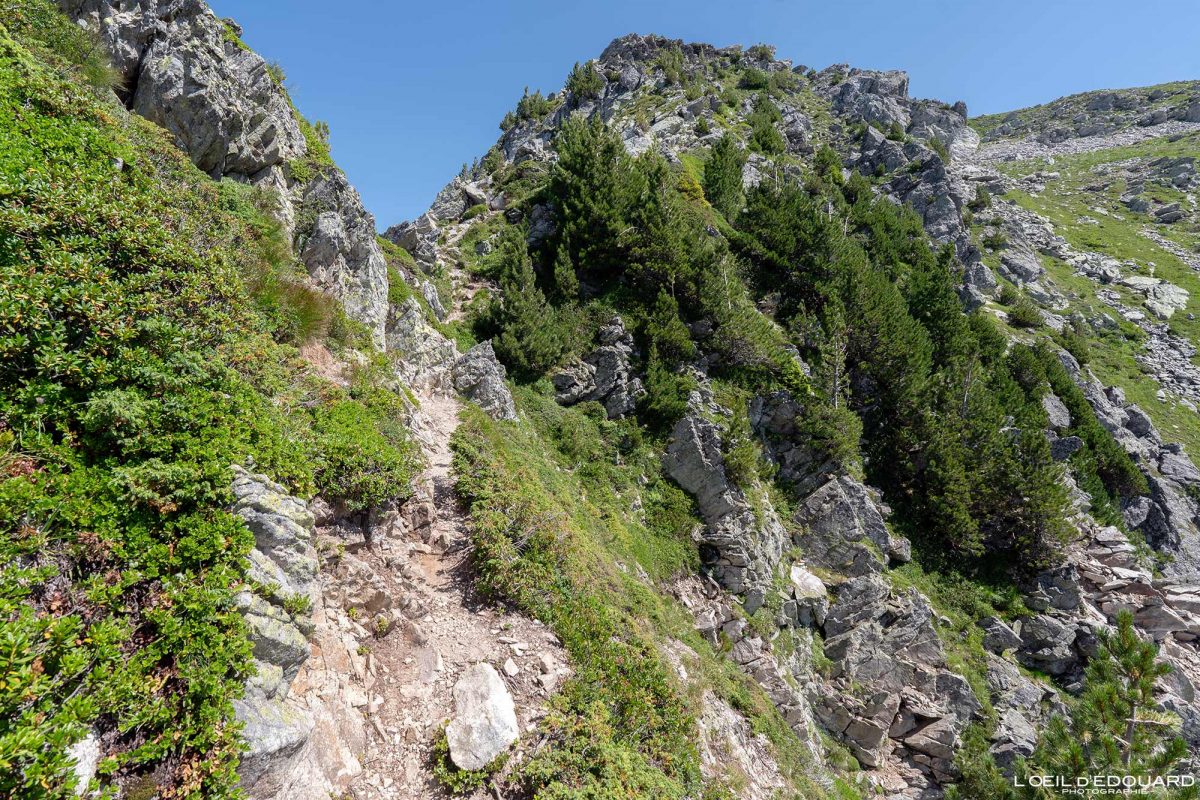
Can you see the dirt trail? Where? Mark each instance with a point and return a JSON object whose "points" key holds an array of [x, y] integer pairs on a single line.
{"points": [[448, 626]]}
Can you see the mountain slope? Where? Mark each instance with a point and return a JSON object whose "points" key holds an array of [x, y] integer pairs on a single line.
{"points": [[722, 432]]}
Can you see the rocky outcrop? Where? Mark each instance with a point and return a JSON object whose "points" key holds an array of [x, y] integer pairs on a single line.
{"points": [[419, 237], [186, 70], [420, 354], [742, 544], [340, 252], [867, 95], [485, 721], [479, 376], [909, 709], [1101, 113], [788, 682], [842, 528], [603, 375], [284, 559], [1169, 517]]}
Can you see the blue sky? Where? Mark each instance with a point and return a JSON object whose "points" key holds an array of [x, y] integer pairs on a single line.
{"points": [[411, 90]]}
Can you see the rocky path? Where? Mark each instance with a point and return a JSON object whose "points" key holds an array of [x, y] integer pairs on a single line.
{"points": [[445, 627]]}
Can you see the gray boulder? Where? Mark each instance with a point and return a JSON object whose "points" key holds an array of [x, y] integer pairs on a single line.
{"points": [[181, 69], [998, 636], [604, 375], [478, 376], [869, 95], [1056, 412], [282, 525], [485, 721], [419, 237]]}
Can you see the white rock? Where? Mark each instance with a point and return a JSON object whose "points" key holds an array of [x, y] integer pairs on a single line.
{"points": [[485, 721]]}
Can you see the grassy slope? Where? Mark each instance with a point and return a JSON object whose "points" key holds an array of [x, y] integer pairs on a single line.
{"points": [[1075, 195], [553, 505], [1065, 107]]}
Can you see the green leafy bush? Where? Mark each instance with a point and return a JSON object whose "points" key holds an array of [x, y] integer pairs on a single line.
{"points": [[367, 458], [121, 413], [619, 725]]}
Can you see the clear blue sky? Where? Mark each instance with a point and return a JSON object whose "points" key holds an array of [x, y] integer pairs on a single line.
{"points": [[412, 89]]}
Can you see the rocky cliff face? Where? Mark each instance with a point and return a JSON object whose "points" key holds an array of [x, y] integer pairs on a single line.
{"points": [[185, 69]]}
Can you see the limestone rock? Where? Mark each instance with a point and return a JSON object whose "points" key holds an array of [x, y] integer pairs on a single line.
{"points": [[844, 529], [604, 375], [341, 253], [480, 377], [86, 757], [181, 69], [421, 355], [741, 548], [1056, 412], [485, 721]]}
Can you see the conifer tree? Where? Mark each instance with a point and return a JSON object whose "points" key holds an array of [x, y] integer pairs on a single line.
{"points": [[723, 176], [528, 339], [1115, 727]]}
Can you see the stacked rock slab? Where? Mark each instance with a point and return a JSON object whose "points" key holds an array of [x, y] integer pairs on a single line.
{"points": [[741, 545], [283, 557]]}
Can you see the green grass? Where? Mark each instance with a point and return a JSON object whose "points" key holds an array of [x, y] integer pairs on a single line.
{"points": [[1066, 107], [552, 503], [1075, 194]]}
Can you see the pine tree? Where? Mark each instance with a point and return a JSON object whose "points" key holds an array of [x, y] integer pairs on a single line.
{"points": [[529, 339], [723, 176], [1115, 727], [565, 279], [595, 185]]}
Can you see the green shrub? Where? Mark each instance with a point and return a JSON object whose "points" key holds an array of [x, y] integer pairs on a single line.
{"points": [[367, 458], [39, 24], [761, 52], [764, 136], [670, 61], [754, 79], [1024, 313], [619, 726], [996, 240], [126, 408], [939, 147], [981, 201], [529, 107], [1009, 294]]}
